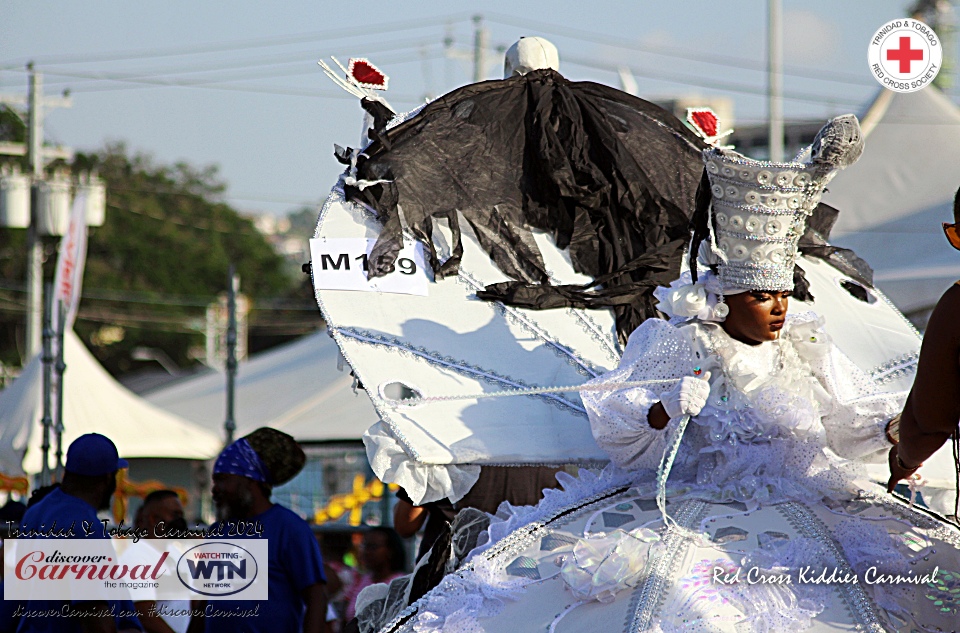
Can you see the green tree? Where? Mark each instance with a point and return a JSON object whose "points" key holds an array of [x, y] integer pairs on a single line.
{"points": [[161, 256]]}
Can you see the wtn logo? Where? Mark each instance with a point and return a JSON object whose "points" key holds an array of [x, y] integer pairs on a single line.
{"points": [[218, 569], [224, 568]]}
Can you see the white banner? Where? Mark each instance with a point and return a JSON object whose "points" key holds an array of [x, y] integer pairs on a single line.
{"points": [[72, 256], [142, 570], [340, 263]]}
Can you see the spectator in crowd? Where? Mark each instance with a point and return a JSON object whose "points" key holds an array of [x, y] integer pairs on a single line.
{"points": [[89, 480], [383, 557], [243, 478], [161, 512]]}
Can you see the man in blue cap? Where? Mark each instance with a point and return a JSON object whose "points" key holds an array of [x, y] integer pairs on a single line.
{"points": [[89, 480], [243, 477]]}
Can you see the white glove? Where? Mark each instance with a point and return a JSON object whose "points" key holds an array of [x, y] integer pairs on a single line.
{"points": [[687, 397]]}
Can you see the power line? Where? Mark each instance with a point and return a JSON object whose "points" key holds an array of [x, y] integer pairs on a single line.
{"points": [[700, 82], [207, 84], [266, 304], [263, 42], [676, 52], [302, 58]]}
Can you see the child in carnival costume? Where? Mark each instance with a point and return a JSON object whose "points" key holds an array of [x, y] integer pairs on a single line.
{"points": [[735, 501]]}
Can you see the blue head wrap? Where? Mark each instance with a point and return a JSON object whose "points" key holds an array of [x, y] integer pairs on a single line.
{"points": [[240, 459]]}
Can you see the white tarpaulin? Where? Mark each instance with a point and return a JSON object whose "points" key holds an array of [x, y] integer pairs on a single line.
{"points": [[894, 199], [295, 388], [93, 402]]}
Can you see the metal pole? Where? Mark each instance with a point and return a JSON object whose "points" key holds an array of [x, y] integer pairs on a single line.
{"points": [[775, 79], [34, 244], [233, 281], [61, 366], [479, 47], [47, 360]]}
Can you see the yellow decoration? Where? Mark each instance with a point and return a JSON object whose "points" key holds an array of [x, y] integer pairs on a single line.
{"points": [[19, 485], [127, 489], [361, 494]]}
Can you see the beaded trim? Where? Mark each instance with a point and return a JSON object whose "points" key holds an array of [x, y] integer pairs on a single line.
{"points": [[895, 368], [648, 598], [448, 362], [806, 522], [611, 344], [583, 366], [944, 530], [758, 209]]}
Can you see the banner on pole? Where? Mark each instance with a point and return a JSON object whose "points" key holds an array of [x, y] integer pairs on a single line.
{"points": [[68, 279]]}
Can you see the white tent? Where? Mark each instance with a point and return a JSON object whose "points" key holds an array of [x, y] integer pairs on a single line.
{"points": [[893, 200], [93, 402], [295, 388]]}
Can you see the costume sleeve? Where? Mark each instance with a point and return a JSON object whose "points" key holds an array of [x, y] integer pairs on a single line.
{"points": [[301, 554], [656, 351], [856, 417], [424, 483]]}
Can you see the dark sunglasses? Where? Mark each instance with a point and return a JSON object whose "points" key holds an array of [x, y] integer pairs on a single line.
{"points": [[953, 234]]}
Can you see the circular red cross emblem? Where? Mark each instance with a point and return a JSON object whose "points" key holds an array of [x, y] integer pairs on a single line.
{"points": [[905, 55]]}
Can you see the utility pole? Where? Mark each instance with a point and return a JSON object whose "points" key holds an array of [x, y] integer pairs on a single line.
{"points": [[233, 280], [479, 47], [47, 420], [37, 156], [775, 79]]}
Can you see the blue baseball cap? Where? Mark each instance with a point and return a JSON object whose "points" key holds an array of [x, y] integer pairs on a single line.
{"points": [[93, 455]]}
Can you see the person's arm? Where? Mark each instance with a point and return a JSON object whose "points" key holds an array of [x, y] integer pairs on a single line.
{"points": [[149, 618], [933, 409], [408, 518], [658, 418], [315, 618]]}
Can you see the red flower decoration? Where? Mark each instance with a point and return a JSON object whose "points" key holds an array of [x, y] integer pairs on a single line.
{"points": [[367, 75]]}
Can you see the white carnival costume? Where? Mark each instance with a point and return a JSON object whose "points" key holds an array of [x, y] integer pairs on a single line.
{"points": [[753, 515]]}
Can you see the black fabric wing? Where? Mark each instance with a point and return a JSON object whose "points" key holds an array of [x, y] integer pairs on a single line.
{"points": [[609, 176]]}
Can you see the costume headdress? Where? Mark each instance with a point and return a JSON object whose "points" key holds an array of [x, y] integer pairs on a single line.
{"points": [[750, 217], [760, 208]]}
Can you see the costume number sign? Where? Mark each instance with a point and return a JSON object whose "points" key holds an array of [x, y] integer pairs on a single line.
{"points": [[340, 263]]}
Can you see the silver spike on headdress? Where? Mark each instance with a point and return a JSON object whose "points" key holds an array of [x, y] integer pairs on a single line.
{"points": [[760, 208]]}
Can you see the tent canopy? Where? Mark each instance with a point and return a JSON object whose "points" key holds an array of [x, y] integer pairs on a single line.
{"points": [[893, 200], [295, 388], [93, 402]]}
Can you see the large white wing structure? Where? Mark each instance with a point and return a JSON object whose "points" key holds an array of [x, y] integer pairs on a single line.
{"points": [[447, 348], [451, 345]]}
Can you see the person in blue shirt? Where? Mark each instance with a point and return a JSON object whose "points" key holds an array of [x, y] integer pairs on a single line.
{"points": [[89, 480], [243, 477]]}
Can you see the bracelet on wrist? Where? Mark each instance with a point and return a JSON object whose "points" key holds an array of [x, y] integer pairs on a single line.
{"points": [[893, 430], [904, 466]]}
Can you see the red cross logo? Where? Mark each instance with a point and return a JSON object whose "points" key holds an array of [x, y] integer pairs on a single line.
{"points": [[905, 55]]}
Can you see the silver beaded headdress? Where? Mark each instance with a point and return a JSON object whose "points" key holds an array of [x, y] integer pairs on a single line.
{"points": [[760, 208]]}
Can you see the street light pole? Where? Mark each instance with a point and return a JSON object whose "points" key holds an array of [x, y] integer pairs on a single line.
{"points": [[34, 244], [37, 155]]}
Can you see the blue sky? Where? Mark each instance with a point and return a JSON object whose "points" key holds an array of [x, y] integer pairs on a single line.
{"points": [[237, 85]]}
